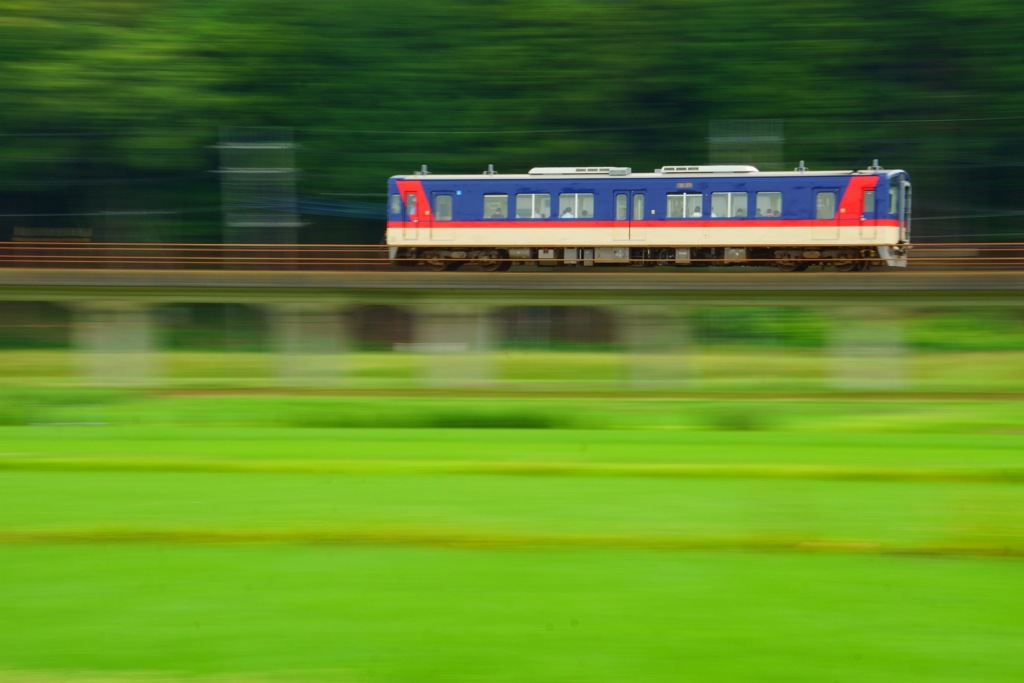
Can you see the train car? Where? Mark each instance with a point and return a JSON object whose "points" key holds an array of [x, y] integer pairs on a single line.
{"points": [[677, 215]]}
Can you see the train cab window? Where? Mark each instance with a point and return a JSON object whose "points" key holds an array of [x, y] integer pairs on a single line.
{"points": [[576, 205], [826, 205], [443, 207], [686, 205], [725, 204], [495, 206], [621, 207], [396, 204], [533, 206], [769, 204], [410, 204], [894, 196]]}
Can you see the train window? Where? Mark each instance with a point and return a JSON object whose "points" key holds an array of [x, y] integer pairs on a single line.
{"points": [[396, 204], [826, 205], [638, 207], [495, 205], [769, 204], [684, 205], [410, 204], [728, 204], [576, 205], [533, 206], [443, 207], [894, 194], [621, 207]]}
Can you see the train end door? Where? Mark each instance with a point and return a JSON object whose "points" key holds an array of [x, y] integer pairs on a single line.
{"points": [[902, 208]]}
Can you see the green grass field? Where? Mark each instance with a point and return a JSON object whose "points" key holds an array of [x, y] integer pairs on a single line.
{"points": [[400, 614], [443, 537]]}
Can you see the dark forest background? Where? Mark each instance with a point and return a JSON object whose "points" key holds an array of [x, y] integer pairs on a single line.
{"points": [[112, 111]]}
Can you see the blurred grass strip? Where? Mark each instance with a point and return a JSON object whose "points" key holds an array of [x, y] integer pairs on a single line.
{"points": [[123, 677], [63, 409], [1002, 475], [484, 540]]}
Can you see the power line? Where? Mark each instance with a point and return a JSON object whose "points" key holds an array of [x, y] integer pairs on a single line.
{"points": [[529, 131]]}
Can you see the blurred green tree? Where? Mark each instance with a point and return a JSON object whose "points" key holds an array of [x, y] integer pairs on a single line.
{"points": [[110, 104]]}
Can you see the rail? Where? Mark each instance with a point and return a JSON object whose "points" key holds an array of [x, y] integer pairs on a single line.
{"points": [[314, 257]]}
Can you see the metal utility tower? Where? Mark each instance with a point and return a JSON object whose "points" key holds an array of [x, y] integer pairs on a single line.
{"points": [[757, 142], [257, 167]]}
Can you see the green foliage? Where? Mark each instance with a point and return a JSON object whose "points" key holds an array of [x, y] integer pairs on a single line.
{"points": [[24, 406], [401, 414], [760, 325], [926, 330], [103, 93], [980, 329], [275, 413]]}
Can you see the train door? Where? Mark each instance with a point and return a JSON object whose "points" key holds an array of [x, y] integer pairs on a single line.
{"points": [[410, 219], [827, 220], [630, 216], [899, 204], [867, 215], [440, 222]]}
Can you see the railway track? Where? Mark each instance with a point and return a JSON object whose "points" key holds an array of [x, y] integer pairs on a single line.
{"points": [[323, 257]]}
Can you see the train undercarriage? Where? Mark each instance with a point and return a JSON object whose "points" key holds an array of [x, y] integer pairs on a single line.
{"points": [[786, 259]]}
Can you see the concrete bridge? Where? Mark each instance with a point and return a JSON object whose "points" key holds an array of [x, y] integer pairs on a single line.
{"points": [[457, 318]]}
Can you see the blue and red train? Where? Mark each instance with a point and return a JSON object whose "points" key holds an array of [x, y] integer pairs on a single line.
{"points": [[677, 215]]}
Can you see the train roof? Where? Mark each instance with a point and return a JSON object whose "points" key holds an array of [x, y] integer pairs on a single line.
{"points": [[705, 171]]}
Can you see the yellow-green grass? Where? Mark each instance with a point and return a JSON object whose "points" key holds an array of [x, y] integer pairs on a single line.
{"points": [[314, 613], [512, 509], [313, 537], [702, 369]]}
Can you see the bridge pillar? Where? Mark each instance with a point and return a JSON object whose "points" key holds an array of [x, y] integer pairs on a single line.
{"points": [[867, 348], [456, 340], [310, 341], [657, 339], [114, 341]]}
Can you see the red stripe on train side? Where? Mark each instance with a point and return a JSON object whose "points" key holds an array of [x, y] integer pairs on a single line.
{"points": [[415, 187], [851, 205]]}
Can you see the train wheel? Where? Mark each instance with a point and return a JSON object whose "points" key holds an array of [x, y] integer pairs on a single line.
{"points": [[494, 262], [790, 266], [847, 266], [490, 265], [439, 265]]}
